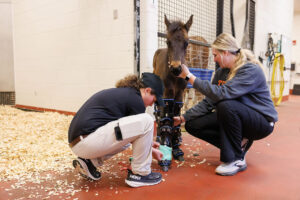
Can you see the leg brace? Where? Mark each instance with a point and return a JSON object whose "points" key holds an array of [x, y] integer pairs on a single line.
{"points": [[167, 134], [176, 133]]}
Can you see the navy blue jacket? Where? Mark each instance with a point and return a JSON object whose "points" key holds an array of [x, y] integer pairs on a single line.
{"points": [[103, 107]]}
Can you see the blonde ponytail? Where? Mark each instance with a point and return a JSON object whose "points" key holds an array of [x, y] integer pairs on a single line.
{"points": [[226, 42], [243, 57]]}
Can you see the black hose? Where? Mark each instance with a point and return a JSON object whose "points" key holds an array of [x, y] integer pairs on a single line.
{"points": [[247, 13], [232, 18]]}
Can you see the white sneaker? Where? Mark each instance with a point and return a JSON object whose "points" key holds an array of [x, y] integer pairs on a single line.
{"points": [[229, 169]]}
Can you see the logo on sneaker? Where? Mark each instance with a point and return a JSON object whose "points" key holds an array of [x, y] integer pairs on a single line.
{"points": [[238, 165], [135, 177]]}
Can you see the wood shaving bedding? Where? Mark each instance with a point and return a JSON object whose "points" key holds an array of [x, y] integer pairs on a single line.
{"points": [[34, 150], [32, 142]]}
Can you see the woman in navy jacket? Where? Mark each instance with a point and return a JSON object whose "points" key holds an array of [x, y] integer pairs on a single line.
{"points": [[237, 109]]}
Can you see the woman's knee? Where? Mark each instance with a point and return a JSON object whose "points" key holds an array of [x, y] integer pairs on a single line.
{"points": [[148, 120], [225, 108], [147, 117], [224, 105], [188, 126]]}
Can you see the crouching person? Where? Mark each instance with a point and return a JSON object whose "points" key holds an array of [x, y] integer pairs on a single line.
{"points": [[111, 120]]}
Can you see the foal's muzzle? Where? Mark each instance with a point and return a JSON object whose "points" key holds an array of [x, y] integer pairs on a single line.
{"points": [[176, 70]]}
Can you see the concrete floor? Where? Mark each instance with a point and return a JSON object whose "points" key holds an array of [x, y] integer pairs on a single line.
{"points": [[273, 172]]}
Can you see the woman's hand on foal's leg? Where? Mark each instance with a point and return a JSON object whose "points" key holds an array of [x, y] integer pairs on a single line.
{"points": [[178, 120]]}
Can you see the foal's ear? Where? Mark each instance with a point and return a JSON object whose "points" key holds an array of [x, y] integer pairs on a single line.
{"points": [[167, 22], [189, 23]]}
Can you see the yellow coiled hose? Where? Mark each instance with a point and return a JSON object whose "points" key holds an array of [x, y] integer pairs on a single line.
{"points": [[279, 58]]}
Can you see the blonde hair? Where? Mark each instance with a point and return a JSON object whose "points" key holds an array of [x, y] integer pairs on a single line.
{"points": [[226, 42], [130, 81]]}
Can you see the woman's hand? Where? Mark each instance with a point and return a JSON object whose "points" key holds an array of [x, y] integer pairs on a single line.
{"points": [[178, 120], [155, 144], [156, 153], [185, 71]]}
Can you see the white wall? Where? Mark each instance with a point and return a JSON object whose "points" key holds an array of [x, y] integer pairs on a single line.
{"points": [[67, 50], [274, 16], [6, 48], [295, 77], [148, 34], [64, 51], [239, 19]]}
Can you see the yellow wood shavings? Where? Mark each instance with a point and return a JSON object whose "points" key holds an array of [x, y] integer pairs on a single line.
{"points": [[32, 143], [182, 163], [203, 161]]}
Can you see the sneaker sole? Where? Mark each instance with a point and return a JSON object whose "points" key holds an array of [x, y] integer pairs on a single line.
{"points": [[232, 173], [140, 184], [82, 169]]}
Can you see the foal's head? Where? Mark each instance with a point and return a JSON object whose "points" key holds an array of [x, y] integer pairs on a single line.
{"points": [[177, 41]]}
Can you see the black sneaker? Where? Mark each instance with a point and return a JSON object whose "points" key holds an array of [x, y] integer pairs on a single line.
{"points": [[136, 180], [86, 168]]}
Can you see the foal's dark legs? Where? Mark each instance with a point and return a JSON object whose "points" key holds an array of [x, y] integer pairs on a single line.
{"points": [[176, 135]]}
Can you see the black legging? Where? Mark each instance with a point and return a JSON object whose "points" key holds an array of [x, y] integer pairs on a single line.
{"points": [[227, 127]]}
